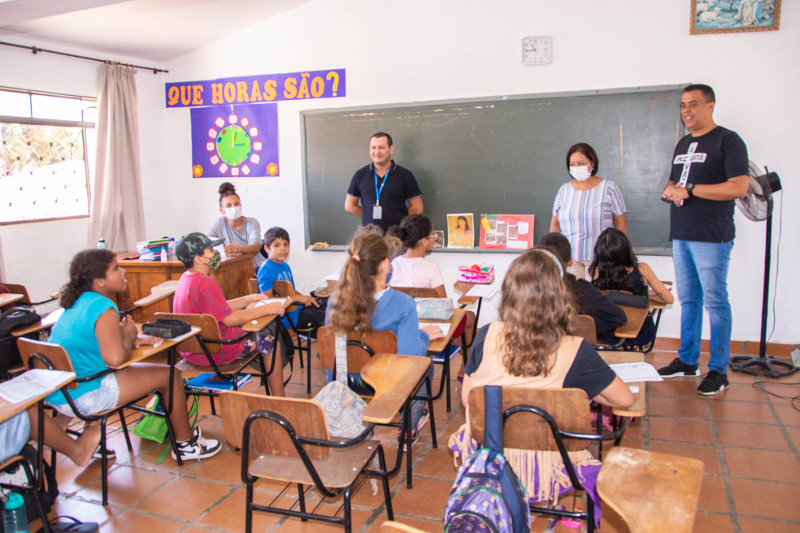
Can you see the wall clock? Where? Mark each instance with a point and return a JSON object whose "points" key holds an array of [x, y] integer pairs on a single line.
{"points": [[233, 144], [235, 141], [536, 50]]}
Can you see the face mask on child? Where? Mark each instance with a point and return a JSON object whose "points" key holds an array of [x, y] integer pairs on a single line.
{"points": [[214, 261], [580, 173], [233, 213]]}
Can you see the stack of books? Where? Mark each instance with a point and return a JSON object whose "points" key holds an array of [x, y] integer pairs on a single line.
{"points": [[210, 381], [151, 250]]}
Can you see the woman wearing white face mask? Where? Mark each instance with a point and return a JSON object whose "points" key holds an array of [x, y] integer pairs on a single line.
{"points": [[585, 206], [241, 234]]}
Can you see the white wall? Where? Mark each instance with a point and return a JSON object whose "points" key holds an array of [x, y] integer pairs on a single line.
{"points": [[421, 50], [37, 254]]}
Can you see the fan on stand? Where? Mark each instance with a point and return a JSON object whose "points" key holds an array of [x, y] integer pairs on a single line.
{"points": [[757, 205]]}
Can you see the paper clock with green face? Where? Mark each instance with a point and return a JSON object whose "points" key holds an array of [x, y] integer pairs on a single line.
{"points": [[234, 144], [235, 141]]}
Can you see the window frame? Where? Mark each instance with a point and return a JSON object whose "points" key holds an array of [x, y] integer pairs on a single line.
{"points": [[33, 121]]}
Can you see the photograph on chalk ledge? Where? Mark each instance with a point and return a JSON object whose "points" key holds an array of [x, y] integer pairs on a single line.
{"points": [[459, 230], [733, 16], [512, 232], [235, 141]]}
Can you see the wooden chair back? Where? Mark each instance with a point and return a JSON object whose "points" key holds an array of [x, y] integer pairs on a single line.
{"points": [[266, 437], [585, 327], [19, 289], [57, 355], [209, 329], [418, 292], [378, 341], [568, 407], [282, 288], [252, 285]]}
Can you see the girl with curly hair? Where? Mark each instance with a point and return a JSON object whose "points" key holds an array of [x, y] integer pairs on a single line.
{"points": [[532, 346], [96, 338]]}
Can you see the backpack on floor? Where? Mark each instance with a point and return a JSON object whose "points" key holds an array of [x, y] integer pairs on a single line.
{"points": [[487, 495]]}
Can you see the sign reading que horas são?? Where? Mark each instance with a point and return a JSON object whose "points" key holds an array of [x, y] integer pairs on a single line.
{"points": [[254, 89]]}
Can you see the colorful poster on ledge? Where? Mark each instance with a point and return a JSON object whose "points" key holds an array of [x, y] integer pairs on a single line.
{"points": [[459, 230], [513, 232], [232, 141]]}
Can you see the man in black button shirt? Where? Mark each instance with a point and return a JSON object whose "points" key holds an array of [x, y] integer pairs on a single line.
{"points": [[383, 187]]}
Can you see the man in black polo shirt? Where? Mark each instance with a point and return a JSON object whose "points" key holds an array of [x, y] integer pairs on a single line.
{"points": [[383, 188]]}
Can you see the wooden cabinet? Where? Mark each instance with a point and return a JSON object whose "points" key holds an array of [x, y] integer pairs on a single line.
{"points": [[232, 275]]}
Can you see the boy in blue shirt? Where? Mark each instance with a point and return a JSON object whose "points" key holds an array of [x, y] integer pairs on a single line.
{"points": [[276, 249]]}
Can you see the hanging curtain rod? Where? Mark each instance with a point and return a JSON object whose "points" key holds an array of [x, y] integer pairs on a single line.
{"points": [[36, 50]]}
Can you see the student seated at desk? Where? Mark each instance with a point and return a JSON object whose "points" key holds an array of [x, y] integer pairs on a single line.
{"points": [[198, 293], [531, 346], [22, 427], [362, 301], [615, 268], [275, 249], [587, 299], [94, 336], [412, 269]]}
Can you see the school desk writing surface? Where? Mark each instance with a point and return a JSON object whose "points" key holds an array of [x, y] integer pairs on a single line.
{"points": [[499, 155]]}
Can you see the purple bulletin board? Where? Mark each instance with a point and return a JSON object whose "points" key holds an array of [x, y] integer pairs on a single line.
{"points": [[235, 141]]}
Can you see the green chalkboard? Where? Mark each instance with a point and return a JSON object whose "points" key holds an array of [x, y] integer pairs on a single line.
{"points": [[499, 155]]}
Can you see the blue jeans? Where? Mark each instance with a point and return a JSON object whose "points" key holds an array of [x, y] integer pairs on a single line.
{"points": [[701, 275]]}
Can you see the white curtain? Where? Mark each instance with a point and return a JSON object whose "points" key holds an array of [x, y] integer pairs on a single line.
{"points": [[117, 213]]}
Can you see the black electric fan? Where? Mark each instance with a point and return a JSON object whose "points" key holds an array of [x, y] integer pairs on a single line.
{"points": [[757, 205]]}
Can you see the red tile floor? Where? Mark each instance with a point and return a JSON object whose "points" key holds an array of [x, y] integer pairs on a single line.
{"points": [[748, 439]]}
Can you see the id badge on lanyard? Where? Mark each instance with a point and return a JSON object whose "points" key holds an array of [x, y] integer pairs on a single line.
{"points": [[377, 210]]}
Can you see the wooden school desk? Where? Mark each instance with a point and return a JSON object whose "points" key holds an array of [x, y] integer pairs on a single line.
{"points": [[147, 350], [395, 379], [670, 500], [8, 409], [232, 275], [9, 298], [260, 323], [44, 323]]}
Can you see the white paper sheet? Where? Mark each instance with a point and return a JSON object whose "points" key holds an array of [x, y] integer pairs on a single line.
{"points": [[482, 291], [634, 372], [31, 384]]}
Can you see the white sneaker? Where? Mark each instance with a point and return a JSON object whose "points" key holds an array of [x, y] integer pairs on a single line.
{"points": [[197, 447]]}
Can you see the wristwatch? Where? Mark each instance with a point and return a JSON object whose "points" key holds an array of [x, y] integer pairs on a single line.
{"points": [[690, 189]]}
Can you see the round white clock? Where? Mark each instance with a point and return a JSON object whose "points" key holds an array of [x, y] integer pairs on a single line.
{"points": [[536, 50]]}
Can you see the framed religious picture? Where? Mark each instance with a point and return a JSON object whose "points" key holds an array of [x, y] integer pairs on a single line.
{"points": [[730, 16]]}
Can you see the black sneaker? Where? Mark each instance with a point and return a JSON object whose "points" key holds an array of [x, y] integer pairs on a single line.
{"points": [[678, 368], [197, 447], [713, 383]]}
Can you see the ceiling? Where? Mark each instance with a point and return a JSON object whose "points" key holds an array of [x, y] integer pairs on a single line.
{"points": [[155, 30]]}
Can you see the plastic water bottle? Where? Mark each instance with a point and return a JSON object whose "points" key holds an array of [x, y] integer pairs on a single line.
{"points": [[171, 251], [102, 244], [163, 254], [14, 518], [796, 357]]}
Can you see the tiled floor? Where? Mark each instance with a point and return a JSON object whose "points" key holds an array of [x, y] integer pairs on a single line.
{"points": [[749, 441]]}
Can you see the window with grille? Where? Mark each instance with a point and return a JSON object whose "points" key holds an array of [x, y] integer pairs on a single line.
{"points": [[44, 164]]}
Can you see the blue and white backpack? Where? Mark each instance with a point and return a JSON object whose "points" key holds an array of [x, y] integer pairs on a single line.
{"points": [[487, 495]]}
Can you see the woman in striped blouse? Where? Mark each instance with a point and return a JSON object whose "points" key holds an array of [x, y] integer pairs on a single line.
{"points": [[586, 205]]}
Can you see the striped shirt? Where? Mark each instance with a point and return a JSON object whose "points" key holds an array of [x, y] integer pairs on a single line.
{"points": [[583, 215]]}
